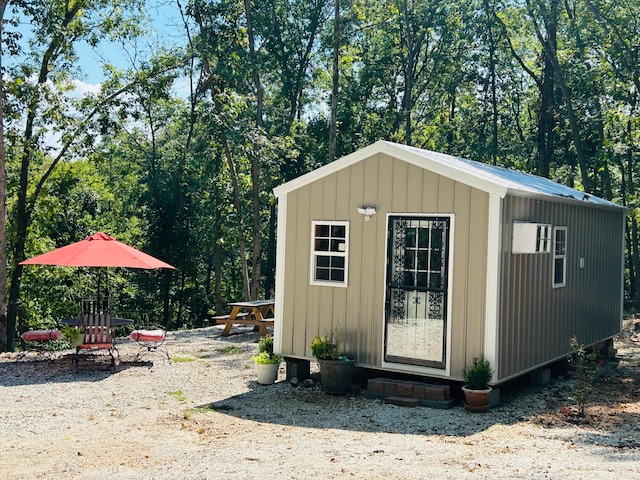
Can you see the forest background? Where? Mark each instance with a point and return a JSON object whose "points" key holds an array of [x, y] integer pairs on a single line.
{"points": [[269, 90]]}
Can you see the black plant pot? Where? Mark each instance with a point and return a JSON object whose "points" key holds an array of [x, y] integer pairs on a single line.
{"points": [[336, 376]]}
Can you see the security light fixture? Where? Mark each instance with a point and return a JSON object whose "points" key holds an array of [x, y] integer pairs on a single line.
{"points": [[367, 212]]}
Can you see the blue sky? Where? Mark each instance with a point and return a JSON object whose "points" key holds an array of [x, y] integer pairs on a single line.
{"points": [[166, 29]]}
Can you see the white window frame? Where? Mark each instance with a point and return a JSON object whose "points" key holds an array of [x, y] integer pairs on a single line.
{"points": [[543, 239], [343, 253], [562, 256]]}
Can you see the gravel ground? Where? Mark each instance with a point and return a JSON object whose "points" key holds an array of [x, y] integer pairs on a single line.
{"points": [[203, 416]]}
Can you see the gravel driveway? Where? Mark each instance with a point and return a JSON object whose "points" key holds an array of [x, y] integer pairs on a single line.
{"points": [[204, 417]]}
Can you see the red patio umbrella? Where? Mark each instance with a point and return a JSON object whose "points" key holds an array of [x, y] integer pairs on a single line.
{"points": [[99, 250]]}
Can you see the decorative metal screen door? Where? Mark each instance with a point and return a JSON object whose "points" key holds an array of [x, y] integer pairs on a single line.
{"points": [[417, 279]]}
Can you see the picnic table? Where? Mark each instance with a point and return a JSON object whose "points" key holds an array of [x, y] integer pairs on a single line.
{"points": [[258, 313]]}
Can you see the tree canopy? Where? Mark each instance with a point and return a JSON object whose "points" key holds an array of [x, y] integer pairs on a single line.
{"points": [[178, 152]]}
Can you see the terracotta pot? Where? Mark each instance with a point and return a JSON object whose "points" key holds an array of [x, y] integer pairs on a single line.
{"points": [[476, 400]]}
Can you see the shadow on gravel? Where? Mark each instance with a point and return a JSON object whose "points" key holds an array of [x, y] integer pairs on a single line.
{"points": [[282, 404], [62, 370]]}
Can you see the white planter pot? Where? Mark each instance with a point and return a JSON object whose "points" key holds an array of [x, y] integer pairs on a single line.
{"points": [[267, 374]]}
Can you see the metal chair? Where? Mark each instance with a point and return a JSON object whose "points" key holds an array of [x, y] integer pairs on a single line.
{"points": [[40, 341], [98, 335], [151, 339]]}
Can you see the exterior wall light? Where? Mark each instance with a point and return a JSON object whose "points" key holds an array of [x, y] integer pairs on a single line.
{"points": [[367, 212]]}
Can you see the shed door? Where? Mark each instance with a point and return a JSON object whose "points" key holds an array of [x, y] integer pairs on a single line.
{"points": [[417, 279]]}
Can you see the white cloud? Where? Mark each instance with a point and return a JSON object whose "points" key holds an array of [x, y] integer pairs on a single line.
{"points": [[82, 88]]}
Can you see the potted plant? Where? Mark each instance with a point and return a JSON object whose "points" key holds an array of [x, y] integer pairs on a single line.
{"points": [[336, 370], [476, 389], [73, 335], [267, 363]]}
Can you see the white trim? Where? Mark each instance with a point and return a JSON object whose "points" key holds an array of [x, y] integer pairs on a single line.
{"points": [[452, 231], [492, 289], [314, 254], [417, 369], [564, 258], [328, 169], [439, 163], [488, 178], [280, 269]]}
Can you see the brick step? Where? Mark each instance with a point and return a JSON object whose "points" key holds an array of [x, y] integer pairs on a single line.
{"points": [[410, 393], [402, 401], [409, 389]]}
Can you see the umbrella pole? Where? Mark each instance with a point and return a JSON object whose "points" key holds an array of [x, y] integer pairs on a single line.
{"points": [[106, 290], [98, 299]]}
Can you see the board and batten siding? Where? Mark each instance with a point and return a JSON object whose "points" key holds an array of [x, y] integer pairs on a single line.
{"points": [[392, 186], [536, 320]]}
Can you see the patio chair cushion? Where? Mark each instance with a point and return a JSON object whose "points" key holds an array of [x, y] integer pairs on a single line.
{"points": [[41, 335], [90, 346], [148, 335]]}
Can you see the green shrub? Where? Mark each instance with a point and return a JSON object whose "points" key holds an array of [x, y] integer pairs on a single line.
{"points": [[265, 352], [585, 362], [326, 348], [478, 375]]}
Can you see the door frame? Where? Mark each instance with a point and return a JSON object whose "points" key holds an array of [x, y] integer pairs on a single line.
{"points": [[432, 371]]}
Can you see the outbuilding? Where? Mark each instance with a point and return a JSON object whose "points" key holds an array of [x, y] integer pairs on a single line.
{"points": [[425, 260]]}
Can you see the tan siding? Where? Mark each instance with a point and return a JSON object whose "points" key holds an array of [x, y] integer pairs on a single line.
{"points": [[299, 245], [399, 186], [368, 242], [462, 327], [315, 307], [358, 266], [430, 194], [414, 189], [445, 195], [392, 186], [476, 286]]}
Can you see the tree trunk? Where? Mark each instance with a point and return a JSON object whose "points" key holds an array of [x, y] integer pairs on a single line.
{"points": [[237, 204], [634, 254], [4, 337], [549, 45], [546, 122], [494, 99], [270, 283], [333, 127], [407, 100], [256, 258], [218, 277]]}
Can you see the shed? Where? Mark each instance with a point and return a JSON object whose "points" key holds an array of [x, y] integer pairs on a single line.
{"points": [[425, 260]]}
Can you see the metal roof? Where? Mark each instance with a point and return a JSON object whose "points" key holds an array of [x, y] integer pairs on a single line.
{"points": [[485, 177]]}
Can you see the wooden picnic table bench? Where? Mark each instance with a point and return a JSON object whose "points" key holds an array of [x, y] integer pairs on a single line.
{"points": [[258, 313]]}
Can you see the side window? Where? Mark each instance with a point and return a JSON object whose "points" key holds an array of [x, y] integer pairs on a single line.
{"points": [[559, 256], [329, 253]]}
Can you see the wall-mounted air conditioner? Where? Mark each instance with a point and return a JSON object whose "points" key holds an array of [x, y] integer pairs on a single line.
{"points": [[531, 237]]}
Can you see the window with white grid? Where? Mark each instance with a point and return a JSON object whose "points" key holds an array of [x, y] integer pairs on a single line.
{"points": [[329, 253]]}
